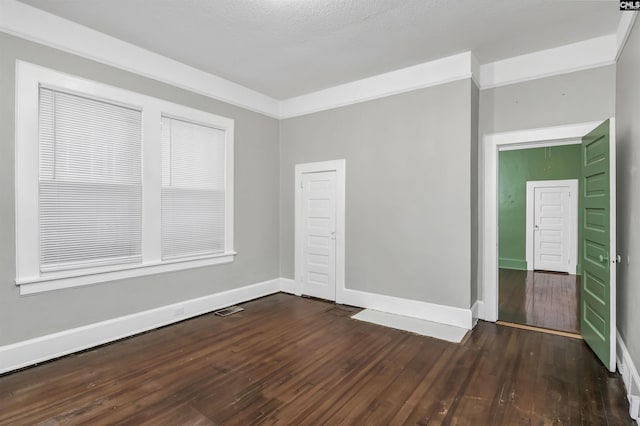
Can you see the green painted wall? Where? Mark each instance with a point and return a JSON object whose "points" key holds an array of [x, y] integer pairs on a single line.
{"points": [[515, 169]]}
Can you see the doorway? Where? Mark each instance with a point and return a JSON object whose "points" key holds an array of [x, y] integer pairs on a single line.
{"points": [[319, 229], [538, 239], [597, 225]]}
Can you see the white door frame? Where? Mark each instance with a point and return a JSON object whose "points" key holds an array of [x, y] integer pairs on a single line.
{"points": [[492, 143], [573, 217], [339, 166]]}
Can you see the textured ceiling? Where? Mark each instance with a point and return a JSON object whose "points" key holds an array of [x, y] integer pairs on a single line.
{"points": [[285, 48]]}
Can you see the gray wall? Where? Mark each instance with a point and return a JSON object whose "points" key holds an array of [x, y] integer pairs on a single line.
{"points": [[412, 167], [576, 97], [562, 99], [256, 210], [628, 196], [408, 190]]}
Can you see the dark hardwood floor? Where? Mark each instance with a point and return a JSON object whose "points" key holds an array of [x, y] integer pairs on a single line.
{"points": [[540, 299], [289, 360]]}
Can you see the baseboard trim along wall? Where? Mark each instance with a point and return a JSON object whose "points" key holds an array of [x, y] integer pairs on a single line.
{"points": [[457, 317], [630, 377], [287, 285], [477, 310], [39, 349], [28, 352]]}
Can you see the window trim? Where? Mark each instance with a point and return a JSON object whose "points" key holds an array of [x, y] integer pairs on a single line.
{"points": [[29, 78]]}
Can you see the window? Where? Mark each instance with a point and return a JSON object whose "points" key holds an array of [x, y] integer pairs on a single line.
{"points": [[90, 189], [113, 184], [192, 189]]}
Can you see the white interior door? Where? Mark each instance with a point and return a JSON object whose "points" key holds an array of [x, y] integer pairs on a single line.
{"points": [[552, 228], [319, 234]]}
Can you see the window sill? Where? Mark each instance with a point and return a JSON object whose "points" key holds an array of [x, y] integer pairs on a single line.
{"points": [[58, 281]]}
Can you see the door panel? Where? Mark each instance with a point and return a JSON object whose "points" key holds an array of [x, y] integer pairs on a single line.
{"points": [[597, 217], [552, 228], [319, 236]]}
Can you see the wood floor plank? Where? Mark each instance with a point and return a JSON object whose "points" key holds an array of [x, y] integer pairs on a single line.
{"points": [[289, 360], [540, 299]]}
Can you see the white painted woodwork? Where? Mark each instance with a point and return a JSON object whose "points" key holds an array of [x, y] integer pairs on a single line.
{"points": [[364, 38], [339, 167], [319, 234], [29, 276], [552, 228], [570, 230]]}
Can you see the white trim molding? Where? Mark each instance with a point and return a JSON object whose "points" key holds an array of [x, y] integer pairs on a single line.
{"points": [[33, 24], [458, 317], [492, 143], [339, 166], [289, 286], [541, 144], [32, 351], [587, 54], [450, 315], [433, 73], [572, 184], [630, 377], [476, 310], [29, 274]]}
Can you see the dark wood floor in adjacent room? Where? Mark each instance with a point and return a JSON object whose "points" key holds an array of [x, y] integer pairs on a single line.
{"points": [[540, 299], [289, 360]]}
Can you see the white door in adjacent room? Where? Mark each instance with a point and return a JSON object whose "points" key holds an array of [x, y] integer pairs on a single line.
{"points": [[554, 224]]}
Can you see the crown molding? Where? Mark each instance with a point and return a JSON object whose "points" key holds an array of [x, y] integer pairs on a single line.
{"points": [[591, 53], [33, 24], [624, 29], [475, 70], [433, 73]]}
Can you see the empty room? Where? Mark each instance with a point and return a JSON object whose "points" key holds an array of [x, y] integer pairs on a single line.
{"points": [[233, 212]]}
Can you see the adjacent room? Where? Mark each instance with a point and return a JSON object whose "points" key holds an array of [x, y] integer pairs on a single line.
{"points": [[235, 212], [539, 237]]}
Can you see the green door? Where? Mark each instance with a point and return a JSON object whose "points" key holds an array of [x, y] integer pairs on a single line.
{"points": [[597, 218]]}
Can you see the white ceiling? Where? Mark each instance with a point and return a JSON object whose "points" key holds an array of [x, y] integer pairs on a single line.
{"points": [[286, 48]]}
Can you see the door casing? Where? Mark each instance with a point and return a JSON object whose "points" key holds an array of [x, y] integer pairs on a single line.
{"points": [[339, 166], [573, 213], [492, 144]]}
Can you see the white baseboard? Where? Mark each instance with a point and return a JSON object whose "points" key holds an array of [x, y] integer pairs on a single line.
{"points": [[28, 352], [477, 310], [630, 377], [32, 351], [457, 317], [287, 285]]}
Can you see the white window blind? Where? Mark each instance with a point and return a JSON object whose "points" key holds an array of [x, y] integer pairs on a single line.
{"points": [[90, 192], [193, 189]]}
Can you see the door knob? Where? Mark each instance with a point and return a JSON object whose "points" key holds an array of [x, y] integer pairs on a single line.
{"points": [[604, 258]]}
